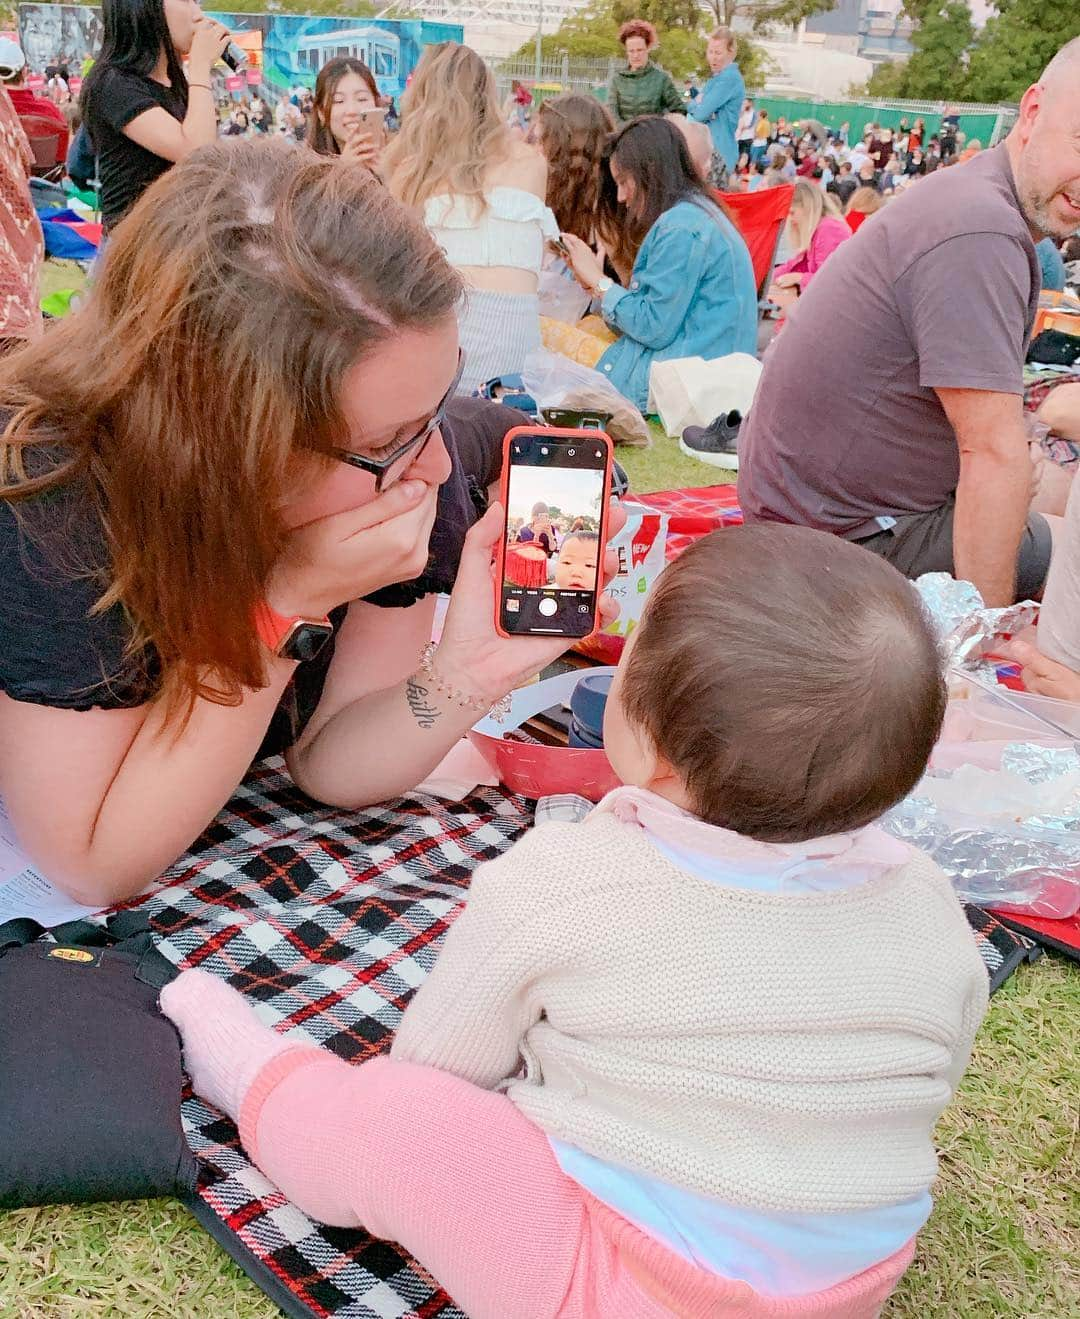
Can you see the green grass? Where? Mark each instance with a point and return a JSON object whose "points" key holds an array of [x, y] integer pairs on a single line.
{"points": [[663, 466], [56, 275], [1003, 1242]]}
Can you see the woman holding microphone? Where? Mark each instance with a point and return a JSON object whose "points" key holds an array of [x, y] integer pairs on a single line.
{"points": [[142, 113]]}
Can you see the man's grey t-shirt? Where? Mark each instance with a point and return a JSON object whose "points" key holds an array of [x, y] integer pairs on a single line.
{"points": [[937, 290]]}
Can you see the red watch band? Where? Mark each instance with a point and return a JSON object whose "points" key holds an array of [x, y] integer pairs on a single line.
{"points": [[273, 628]]}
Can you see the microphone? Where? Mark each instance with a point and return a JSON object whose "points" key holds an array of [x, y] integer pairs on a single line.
{"points": [[234, 56]]}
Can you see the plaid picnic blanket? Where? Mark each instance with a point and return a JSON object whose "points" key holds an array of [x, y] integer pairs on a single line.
{"points": [[329, 921]]}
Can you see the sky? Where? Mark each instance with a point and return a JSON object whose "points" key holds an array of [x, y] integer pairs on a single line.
{"points": [[577, 492]]}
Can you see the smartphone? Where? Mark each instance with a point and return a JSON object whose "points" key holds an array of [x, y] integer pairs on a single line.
{"points": [[559, 248], [372, 122], [556, 486]]}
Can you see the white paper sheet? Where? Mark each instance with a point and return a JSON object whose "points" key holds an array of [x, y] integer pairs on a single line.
{"points": [[25, 892]]}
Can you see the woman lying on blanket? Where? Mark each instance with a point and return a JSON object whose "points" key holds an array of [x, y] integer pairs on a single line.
{"points": [[685, 1057], [226, 498]]}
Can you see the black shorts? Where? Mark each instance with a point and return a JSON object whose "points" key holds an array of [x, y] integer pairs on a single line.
{"points": [[923, 542]]}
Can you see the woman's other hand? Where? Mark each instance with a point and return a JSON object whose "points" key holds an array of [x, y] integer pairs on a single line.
{"points": [[472, 655], [1043, 676], [346, 556], [584, 262], [782, 296]]}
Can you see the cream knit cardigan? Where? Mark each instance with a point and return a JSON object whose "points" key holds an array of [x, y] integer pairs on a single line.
{"points": [[783, 1052]]}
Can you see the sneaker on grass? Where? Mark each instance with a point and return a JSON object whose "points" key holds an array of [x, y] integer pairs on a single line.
{"points": [[715, 443]]}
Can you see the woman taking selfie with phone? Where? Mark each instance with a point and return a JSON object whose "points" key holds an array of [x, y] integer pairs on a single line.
{"points": [[481, 193], [141, 111], [346, 120], [218, 479]]}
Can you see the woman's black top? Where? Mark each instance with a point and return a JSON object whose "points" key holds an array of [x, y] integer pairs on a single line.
{"points": [[126, 169], [56, 651]]}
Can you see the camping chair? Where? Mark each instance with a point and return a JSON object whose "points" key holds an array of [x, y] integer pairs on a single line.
{"points": [[759, 217], [48, 145]]}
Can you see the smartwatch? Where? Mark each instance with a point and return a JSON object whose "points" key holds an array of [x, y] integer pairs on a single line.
{"points": [[292, 638]]}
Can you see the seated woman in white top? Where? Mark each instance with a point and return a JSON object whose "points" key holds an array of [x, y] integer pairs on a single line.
{"points": [[481, 192]]}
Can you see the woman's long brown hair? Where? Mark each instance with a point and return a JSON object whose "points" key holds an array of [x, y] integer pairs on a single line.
{"points": [[573, 130], [452, 129], [654, 154], [210, 353], [319, 136]]}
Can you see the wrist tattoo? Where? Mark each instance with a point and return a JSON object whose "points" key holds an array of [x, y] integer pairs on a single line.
{"points": [[423, 711]]}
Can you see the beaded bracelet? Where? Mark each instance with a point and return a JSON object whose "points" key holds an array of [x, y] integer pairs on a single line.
{"points": [[498, 711]]}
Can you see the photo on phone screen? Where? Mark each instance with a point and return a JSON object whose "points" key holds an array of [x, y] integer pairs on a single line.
{"points": [[555, 495]]}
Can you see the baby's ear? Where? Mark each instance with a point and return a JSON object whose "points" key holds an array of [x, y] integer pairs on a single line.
{"points": [[667, 782]]}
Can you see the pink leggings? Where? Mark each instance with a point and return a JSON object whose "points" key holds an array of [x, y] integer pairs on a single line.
{"points": [[472, 1189]]}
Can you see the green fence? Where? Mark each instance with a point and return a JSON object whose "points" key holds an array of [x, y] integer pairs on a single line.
{"points": [[985, 125]]}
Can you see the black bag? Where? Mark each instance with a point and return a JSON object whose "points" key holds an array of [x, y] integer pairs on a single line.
{"points": [[1055, 348], [90, 1074]]}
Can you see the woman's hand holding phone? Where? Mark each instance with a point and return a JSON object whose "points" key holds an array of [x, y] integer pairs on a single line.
{"points": [[362, 147], [586, 265], [341, 558], [472, 655], [365, 141]]}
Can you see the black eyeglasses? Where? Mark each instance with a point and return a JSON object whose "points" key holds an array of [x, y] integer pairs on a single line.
{"points": [[388, 470]]}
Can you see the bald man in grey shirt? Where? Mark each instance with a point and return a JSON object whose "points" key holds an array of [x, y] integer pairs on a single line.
{"points": [[890, 407]]}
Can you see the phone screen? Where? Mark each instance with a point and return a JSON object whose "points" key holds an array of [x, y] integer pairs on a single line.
{"points": [[555, 492]]}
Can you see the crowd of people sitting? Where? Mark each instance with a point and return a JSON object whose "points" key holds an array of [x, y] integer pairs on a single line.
{"points": [[687, 1056], [882, 158]]}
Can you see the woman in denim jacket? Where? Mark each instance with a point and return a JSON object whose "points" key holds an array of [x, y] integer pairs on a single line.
{"points": [[691, 290]]}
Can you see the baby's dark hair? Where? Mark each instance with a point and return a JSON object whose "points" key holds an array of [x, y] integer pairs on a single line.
{"points": [[580, 535], [790, 679]]}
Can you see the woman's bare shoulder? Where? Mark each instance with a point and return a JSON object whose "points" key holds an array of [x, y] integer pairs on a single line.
{"points": [[524, 167]]}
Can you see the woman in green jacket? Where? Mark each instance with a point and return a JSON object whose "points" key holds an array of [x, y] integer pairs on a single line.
{"points": [[642, 87]]}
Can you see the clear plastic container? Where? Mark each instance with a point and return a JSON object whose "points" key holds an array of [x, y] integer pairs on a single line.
{"points": [[981, 712], [981, 721]]}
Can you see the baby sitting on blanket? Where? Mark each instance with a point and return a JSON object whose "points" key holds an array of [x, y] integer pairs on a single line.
{"points": [[686, 1056]]}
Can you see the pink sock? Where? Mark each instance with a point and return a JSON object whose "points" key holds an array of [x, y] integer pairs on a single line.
{"points": [[225, 1044]]}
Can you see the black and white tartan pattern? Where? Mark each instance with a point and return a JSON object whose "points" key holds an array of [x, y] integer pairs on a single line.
{"points": [[328, 921]]}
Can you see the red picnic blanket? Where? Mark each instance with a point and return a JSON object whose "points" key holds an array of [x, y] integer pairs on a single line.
{"points": [[691, 513]]}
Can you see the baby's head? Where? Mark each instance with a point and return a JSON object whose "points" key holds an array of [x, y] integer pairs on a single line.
{"points": [[783, 683], [576, 566]]}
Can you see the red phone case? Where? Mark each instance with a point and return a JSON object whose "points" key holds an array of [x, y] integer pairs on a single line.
{"points": [[550, 432]]}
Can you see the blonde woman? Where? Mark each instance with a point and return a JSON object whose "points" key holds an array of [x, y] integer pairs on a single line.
{"points": [[481, 192], [814, 235]]}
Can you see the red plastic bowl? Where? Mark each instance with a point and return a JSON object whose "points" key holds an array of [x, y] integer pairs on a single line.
{"points": [[538, 771]]}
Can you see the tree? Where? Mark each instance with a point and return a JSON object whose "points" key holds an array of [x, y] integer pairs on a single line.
{"points": [[951, 62], [886, 81], [586, 35], [763, 14], [662, 14], [937, 68], [1017, 44]]}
